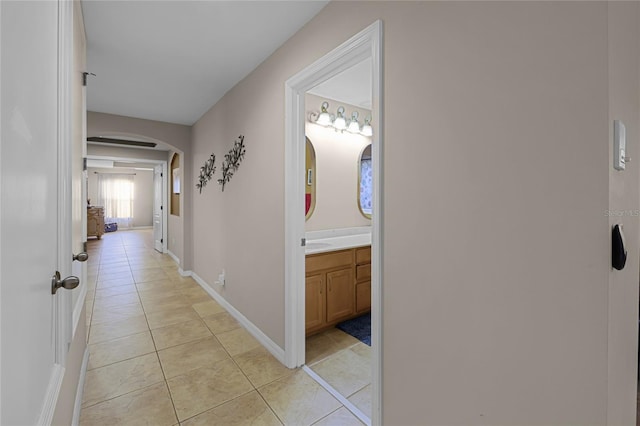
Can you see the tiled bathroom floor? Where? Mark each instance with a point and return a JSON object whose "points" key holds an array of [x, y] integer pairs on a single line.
{"points": [[163, 352], [345, 363]]}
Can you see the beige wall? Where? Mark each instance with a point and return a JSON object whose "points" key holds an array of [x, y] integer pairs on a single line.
{"points": [[624, 104], [337, 166], [173, 136], [142, 190], [496, 182], [101, 124]]}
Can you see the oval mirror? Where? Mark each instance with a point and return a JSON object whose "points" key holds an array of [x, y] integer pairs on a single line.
{"points": [[365, 182], [309, 180]]}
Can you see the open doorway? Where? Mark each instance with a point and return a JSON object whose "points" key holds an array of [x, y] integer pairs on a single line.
{"points": [[126, 193], [364, 49], [338, 235]]}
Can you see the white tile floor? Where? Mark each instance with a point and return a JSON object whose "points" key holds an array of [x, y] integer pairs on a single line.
{"points": [[163, 352], [344, 363]]}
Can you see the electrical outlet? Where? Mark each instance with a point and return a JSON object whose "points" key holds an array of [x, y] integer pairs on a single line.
{"points": [[221, 279]]}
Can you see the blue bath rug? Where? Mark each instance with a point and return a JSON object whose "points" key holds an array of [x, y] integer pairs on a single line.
{"points": [[360, 328]]}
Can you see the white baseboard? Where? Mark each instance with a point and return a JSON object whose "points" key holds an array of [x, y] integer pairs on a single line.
{"points": [[75, 421], [51, 397], [173, 256], [264, 340], [184, 273]]}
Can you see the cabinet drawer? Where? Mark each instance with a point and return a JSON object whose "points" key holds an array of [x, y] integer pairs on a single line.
{"points": [[363, 255], [318, 262], [363, 271]]}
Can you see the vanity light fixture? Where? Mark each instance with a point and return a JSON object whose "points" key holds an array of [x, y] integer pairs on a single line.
{"points": [[339, 122], [354, 126]]}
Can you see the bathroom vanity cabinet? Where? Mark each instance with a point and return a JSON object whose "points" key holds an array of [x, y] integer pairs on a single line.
{"points": [[337, 284]]}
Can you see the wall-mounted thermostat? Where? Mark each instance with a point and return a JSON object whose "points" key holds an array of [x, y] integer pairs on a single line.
{"points": [[619, 145]]}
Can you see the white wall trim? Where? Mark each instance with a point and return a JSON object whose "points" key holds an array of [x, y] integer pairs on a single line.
{"points": [[264, 340], [174, 257], [51, 396], [165, 207], [185, 273], [365, 44], [77, 406], [1, 118]]}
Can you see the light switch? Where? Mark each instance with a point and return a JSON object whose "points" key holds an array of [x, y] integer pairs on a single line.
{"points": [[619, 145]]}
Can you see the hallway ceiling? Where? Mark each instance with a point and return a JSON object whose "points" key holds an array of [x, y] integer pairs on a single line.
{"points": [[172, 60]]}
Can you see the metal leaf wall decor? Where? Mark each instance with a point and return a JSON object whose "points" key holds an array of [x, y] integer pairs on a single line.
{"points": [[232, 161], [206, 172]]}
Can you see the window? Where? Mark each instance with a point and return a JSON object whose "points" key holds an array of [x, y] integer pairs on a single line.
{"points": [[309, 180], [366, 182], [115, 193]]}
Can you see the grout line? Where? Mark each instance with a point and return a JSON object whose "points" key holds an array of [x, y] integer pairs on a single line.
{"points": [[118, 396], [164, 374], [337, 395], [219, 405], [269, 405]]}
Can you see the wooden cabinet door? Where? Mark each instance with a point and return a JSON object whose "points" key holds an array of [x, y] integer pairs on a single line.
{"points": [[363, 297], [315, 303], [340, 294]]}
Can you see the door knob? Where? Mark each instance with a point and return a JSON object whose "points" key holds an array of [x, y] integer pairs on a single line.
{"points": [[81, 257], [69, 283]]}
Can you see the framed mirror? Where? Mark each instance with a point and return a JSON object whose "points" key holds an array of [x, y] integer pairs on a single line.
{"points": [[365, 182], [309, 180]]}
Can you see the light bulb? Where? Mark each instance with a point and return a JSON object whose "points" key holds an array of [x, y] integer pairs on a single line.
{"points": [[354, 126], [340, 123], [367, 130], [324, 119]]}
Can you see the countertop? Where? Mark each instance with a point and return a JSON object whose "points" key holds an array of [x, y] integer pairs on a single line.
{"points": [[342, 242]]}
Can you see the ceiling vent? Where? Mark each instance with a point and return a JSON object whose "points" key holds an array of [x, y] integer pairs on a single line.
{"points": [[122, 142]]}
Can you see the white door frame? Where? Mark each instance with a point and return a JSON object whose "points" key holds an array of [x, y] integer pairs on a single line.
{"points": [[365, 44], [165, 188]]}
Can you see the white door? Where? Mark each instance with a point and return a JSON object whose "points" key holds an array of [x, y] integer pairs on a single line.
{"points": [[30, 211], [157, 207]]}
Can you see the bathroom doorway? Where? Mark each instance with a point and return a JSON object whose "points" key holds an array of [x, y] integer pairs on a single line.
{"points": [[338, 236], [363, 48]]}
